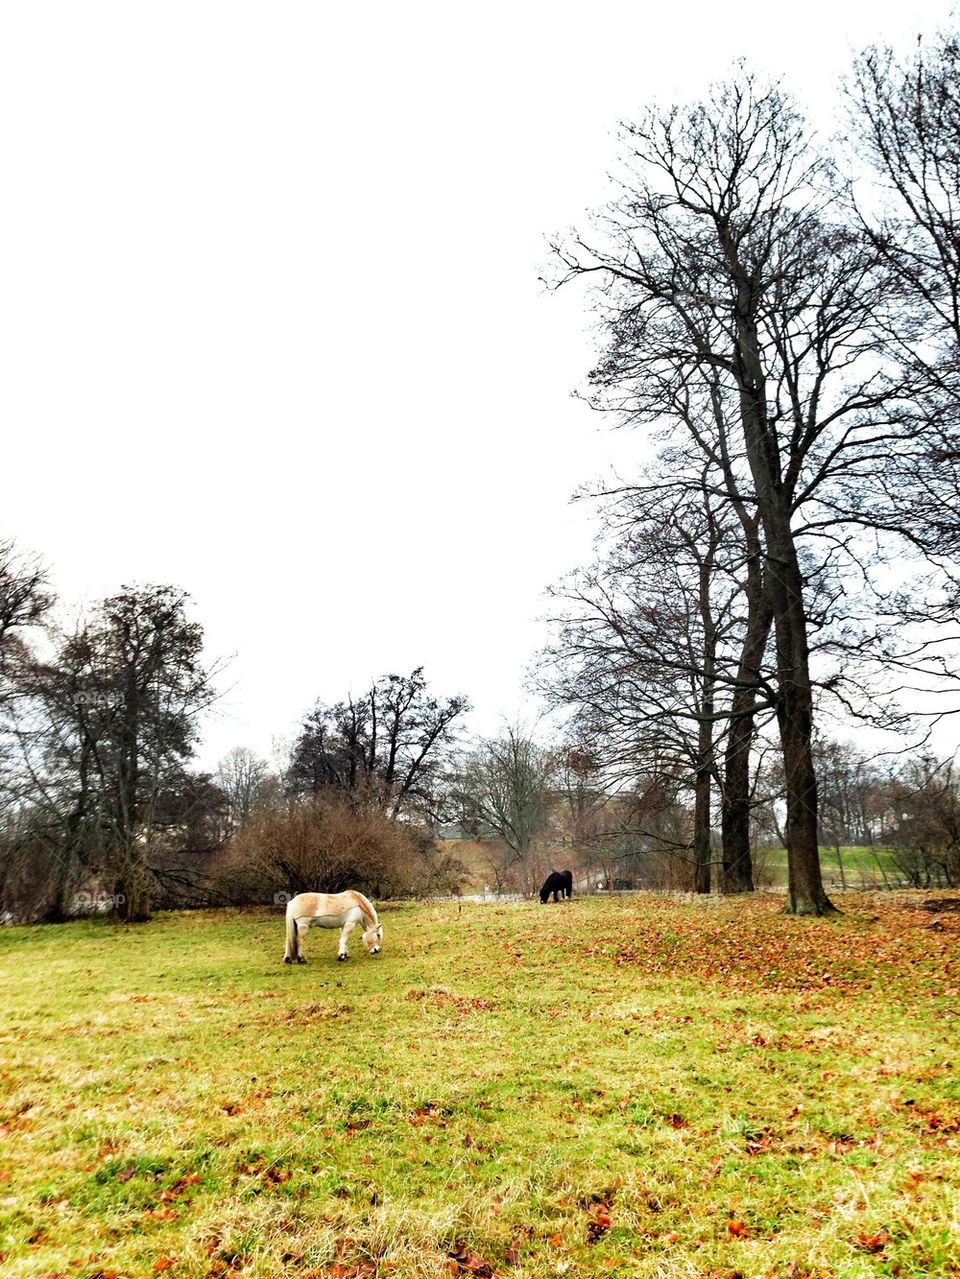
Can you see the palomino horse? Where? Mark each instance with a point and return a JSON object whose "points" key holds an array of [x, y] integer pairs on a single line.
{"points": [[330, 910]]}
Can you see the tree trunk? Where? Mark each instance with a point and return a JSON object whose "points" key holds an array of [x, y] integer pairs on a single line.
{"points": [[132, 893], [705, 767], [70, 858], [61, 888], [843, 877], [805, 891], [736, 874], [736, 869], [705, 764], [701, 828], [782, 574]]}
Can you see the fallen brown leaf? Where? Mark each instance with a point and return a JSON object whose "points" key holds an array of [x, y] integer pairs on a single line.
{"points": [[872, 1243], [599, 1223], [464, 1262]]}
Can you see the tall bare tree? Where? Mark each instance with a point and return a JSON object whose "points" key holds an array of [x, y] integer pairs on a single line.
{"points": [[726, 267], [906, 128]]}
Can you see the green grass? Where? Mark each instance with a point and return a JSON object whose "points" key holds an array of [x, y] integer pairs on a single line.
{"points": [[637, 1087], [861, 865]]}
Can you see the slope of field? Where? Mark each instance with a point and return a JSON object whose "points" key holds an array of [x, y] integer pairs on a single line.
{"points": [[856, 866], [637, 1087]]}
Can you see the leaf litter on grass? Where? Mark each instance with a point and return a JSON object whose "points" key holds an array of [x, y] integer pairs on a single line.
{"points": [[802, 1066]]}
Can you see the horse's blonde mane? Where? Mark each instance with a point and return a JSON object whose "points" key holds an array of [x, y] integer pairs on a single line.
{"points": [[366, 907]]}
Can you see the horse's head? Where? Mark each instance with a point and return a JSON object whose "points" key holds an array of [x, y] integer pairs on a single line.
{"points": [[373, 939]]}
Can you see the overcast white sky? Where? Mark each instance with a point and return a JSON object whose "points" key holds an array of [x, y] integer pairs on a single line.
{"points": [[271, 323]]}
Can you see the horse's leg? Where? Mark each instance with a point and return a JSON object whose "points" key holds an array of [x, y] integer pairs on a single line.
{"points": [[345, 932], [303, 927]]}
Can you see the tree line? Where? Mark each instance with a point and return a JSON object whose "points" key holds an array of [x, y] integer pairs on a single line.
{"points": [[101, 802]]}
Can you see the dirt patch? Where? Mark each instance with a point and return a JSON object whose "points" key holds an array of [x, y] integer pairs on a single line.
{"points": [[445, 1001]]}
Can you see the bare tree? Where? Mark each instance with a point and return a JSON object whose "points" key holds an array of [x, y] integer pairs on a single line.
{"points": [[922, 821], [242, 776], [906, 127], [906, 118], [388, 748], [25, 598], [587, 813], [503, 788], [727, 267], [849, 779], [645, 641], [25, 602]]}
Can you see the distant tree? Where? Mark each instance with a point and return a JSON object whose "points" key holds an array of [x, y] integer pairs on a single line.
{"points": [[25, 600], [105, 733], [193, 810], [587, 810], [655, 836], [243, 777], [647, 643], [503, 788], [389, 748], [326, 843], [190, 826], [850, 780], [922, 826]]}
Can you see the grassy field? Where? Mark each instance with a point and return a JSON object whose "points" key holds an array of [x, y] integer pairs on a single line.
{"points": [[862, 866], [857, 866], [634, 1087]]}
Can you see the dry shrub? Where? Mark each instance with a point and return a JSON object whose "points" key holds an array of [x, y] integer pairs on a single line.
{"points": [[38, 878], [326, 844]]}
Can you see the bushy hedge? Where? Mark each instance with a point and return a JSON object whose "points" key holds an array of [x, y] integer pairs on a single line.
{"points": [[326, 844]]}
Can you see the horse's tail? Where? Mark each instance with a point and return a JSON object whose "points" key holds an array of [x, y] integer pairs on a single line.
{"points": [[290, 949]]}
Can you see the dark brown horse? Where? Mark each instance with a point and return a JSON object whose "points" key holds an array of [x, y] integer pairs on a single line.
{"points": [[558, 882]]}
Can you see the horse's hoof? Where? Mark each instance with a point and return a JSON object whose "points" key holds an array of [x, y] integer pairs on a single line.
{"points": [[301, 960], [287, 959], [341, 957]]}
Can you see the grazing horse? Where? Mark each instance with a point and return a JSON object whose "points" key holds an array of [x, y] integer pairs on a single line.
{"points": [[330, 910], [558, 882]]}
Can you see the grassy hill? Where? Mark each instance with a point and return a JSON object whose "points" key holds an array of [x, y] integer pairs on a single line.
{"points": [[642, 1087], [861, 866]]}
